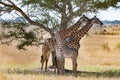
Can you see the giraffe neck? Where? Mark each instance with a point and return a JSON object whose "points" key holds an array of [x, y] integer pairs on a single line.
{"points": [[85, 29], [75, 38], [67, 32]]}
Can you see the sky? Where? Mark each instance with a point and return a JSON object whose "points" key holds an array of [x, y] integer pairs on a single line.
{"points": [[109, 14]]}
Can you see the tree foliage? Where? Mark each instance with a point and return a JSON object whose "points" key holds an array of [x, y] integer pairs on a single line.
{"points": [[48, 13], [19, 31]]}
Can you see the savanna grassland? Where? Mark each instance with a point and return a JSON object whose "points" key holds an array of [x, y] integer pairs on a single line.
{"points": [[99, 59]]}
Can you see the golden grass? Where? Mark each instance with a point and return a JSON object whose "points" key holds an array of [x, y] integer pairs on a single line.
{"points": [[91, 52], [3, 76], [9, 54], [97, 53], [6, 76]]}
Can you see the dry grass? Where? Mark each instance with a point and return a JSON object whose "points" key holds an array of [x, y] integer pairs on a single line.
{"points": [[97, 53], [5, 76]]}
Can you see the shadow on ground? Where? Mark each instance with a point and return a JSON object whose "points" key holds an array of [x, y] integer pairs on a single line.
{"points": [[37, 71]]}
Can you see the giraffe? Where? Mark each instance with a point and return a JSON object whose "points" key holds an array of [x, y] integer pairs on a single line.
{"points": [[66, 33], [51, 42], [45, 56], [63, 51], [76, 36]]}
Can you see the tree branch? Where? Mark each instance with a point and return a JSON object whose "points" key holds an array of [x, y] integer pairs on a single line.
{"points": [[64, 15], [70, 7], [11, 2], [5, 4], [57, 6], [26, 17], [82, 8]]}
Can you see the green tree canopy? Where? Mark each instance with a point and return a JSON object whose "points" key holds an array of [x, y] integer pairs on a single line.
{"points": [[48, 13]]}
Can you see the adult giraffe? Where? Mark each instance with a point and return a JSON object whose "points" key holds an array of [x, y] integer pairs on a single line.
{"points": [[70, 49], [49, 44]]}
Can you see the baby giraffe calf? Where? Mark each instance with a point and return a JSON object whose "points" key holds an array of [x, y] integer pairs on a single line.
{"points": [[45, 56]]}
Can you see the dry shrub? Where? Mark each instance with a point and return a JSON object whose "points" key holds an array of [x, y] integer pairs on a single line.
{"points": [[106, 46], [107, 33], [118, 45]]}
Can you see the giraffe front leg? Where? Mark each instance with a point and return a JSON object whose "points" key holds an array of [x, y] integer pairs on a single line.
{"points": [[62, 66], [53, 59], [46, 65], [55, 64]]}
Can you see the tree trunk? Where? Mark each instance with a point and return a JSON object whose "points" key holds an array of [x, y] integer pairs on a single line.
{"points": [[64, 16], [63, 22]]}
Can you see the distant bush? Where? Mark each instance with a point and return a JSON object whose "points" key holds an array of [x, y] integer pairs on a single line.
{"points": [[106, 46], [118, 45], [107, 33]]}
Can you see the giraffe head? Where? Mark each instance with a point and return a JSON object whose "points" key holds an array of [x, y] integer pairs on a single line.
{"points": [[84, 19], [96, 20]]}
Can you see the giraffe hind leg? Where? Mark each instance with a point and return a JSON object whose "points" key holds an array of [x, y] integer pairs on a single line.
{"points": [[42, 65], [58, 66], [74, 67]]}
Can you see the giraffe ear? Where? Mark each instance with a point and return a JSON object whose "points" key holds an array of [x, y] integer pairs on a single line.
{"points": [[84, 16], [95, 17]]}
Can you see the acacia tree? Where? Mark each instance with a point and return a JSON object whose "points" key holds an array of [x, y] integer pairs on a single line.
{"points": [[47, 13]]}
